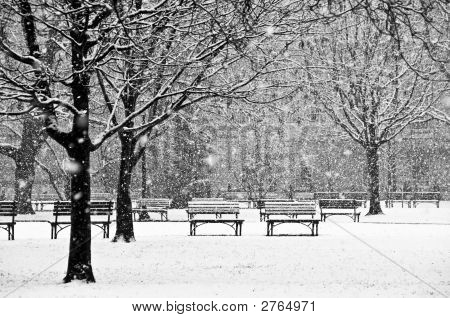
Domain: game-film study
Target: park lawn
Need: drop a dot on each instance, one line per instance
(404, 253)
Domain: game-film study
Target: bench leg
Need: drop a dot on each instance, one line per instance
(12, 232)
(317, 228)
(192, 228)
(268, 229)
(105, 231)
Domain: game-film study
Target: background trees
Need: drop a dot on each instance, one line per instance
(357, 76)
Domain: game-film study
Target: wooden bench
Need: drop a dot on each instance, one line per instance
(151, 205)
(326, 195)
(45, 199)
(402, 197)
(215, 210)
(303, 196)
(339, 204)
(62, 211)
(101, 196)
(426, 197)
(7, 217)
(260, 204)
(296, 212)
(360, 197)
(239, 196)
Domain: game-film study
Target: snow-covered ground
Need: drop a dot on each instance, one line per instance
(404, 253)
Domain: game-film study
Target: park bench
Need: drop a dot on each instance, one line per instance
(303, 196)
(212, 212)
(151, 205)
(360, 197)
(100, 211)
(239, 196)
(45, 199)
(100, 196)
(302, 212)
(7, 215)
(207, 199)
(426, 197)
(339, 204)
(326, 195)
(402, 197)
(260, 204)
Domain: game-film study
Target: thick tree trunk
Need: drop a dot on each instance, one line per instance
(78, 146)
(124, 229)
(79, 265)
(374, 179)
(25, 164)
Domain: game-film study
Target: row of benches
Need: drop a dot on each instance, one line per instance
(294, 212)
(410, 198)
(297, 212)
(100, 211)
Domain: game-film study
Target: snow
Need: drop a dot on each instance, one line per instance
(411, 259)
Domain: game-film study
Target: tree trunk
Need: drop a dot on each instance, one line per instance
(144, 192)
(25, 164)
(79, 265)
(374, 179)
(78, 146)
(124, 229)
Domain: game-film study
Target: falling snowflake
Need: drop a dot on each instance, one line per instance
(270, 30)
(78, 196)
(348, 152)
(211, 161)
(22, 183)
(143, 140)
(71, 166)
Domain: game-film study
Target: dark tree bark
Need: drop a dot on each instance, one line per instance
(79, 264)
(25, 164)
(78, 146)
(374, 179)
(124, 229)
(144, 191)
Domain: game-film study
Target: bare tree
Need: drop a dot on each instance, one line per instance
(80, 26)
(188, 55)
(357, 76)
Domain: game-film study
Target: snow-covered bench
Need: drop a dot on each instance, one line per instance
(261, 204)
(426, 197)
(45, 199)
(349, 207)
(402, 197)
(151, 205)
(239, 196)
(100, 211)
(302, 212)
(326, 195)
(360, 197)
(7, 215)
(212, 212)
